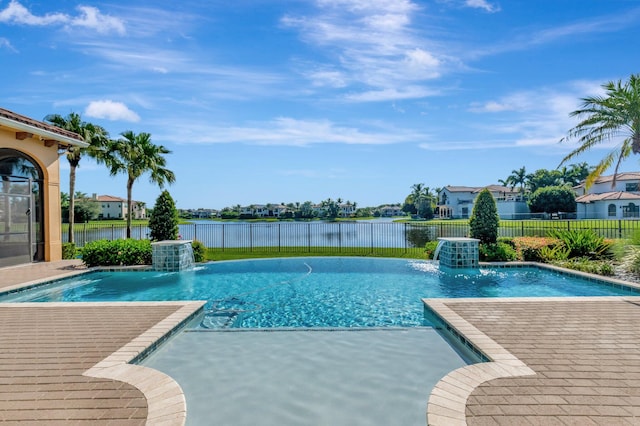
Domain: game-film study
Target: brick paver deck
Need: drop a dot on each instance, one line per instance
(67, 363)
(584, 354)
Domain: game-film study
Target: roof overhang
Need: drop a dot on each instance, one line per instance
(43, 134)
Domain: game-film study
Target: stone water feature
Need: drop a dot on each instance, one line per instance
(171, 256)
(458, 252)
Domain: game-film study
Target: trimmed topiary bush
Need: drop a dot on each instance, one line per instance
(117, 252)
(484, 220)
(163, 221)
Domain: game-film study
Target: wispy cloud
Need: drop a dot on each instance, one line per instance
(373, 48)
(574, 31)
(111, 110)
(87, 17)
(6, 44)
(539, 117)
(482, 4)
(285, 131)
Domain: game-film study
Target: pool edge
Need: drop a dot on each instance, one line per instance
(166, 403)
(448, 398)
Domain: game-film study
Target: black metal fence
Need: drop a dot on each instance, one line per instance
(337, 236)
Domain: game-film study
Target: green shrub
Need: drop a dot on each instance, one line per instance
(583, 243)
(199, 251)
(497, 252)
(163, 221)
(585, 264)
(430, 248)
(635, 238)
(530, 248)
(68, 251)
(549, 254)
(117, 252)
(484, 221)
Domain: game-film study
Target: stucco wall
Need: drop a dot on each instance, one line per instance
(47, 159)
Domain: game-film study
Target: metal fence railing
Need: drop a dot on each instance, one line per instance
(302, 236)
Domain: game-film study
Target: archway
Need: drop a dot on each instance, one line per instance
(21, 208)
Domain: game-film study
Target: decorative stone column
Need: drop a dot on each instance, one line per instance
(459, 252)
(171, 256)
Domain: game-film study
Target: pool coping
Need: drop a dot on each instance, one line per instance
(166, 403)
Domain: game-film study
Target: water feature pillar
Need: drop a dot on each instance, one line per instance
(458, 252)
(171, 256)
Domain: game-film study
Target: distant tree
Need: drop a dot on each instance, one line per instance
(86, 209)
(331, 208)
(553, 199)
(135, 155)
(306, 211)
(575, 173)
(614, 117)
(425, 207)
(163, 223)
(484, 220)
(518, 177)
(542, 178)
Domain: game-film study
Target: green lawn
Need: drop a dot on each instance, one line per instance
(270, 252)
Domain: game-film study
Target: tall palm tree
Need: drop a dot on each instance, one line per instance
(613, 117)
(135, 155)
(96, 136)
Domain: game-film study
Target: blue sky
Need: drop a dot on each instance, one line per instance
(269, 101)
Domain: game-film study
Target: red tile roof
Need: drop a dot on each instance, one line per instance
(10, 115)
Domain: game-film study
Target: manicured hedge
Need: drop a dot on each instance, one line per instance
(117, 252)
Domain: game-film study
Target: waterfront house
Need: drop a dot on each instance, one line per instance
(456, 202)
(30, 217)
(116, 208)
(604, 200)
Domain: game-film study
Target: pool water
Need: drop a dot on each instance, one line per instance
(316, 291)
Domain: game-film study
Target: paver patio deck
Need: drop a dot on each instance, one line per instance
(66, 363)
(584, 354)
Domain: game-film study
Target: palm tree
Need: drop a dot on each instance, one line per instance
(613, 117)
(136, 155)
(518, 177)
(96, 136)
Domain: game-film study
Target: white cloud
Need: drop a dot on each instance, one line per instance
(111, 110)
(89, 17)
(409, 92)
(18, 14)
(285, 131)
(482, 4)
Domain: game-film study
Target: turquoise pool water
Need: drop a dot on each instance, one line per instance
(316, 291)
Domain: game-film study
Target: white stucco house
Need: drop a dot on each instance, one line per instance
(456, 202)
(604, 200)
(116, 208)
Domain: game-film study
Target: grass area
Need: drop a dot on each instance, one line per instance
(271, 252)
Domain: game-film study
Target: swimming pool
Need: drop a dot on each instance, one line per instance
(341, 292)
